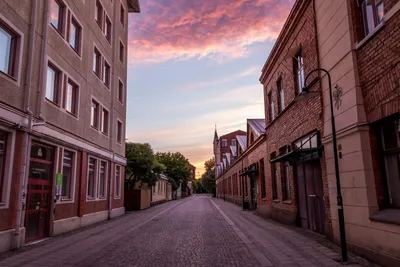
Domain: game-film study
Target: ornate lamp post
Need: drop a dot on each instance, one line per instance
(305, 94)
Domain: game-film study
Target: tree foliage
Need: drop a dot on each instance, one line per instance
(142, 164)
(208, 177)
(176, 167)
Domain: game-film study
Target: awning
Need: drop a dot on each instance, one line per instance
(252, 169)
(299, 154)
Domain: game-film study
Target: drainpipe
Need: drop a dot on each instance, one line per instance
(27, 98)
(112, 109)
(43, 61)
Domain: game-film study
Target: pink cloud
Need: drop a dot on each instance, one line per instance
(221, 30)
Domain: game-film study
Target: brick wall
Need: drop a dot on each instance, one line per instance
(379, 66)
(298, 118)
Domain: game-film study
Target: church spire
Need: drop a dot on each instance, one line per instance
(215, 133)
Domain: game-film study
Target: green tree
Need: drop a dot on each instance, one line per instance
(176, 167)
(142, 164)
(208, 177)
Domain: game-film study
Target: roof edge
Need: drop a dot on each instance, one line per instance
(133, 6)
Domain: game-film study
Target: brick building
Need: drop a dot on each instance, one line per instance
(296, 184)
(358, 43)
(63, 76)
(231, 182)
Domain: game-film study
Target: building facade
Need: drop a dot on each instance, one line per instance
(63, 80)
(358, 43)
(162, 190)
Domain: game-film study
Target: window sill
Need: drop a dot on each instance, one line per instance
(276, 200)
(72, 114)
(369, 36)
(264, 199)
(117, 197)
(58, 31)
(288, 201)
(8, 76)
(105, 134)
(65, 201)
(76, 51)
(120, 101)
(391, 216)
(52, 102)
(94, 128)
(3, 205)
(89, 199)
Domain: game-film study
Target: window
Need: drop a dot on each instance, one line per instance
(224, 143)
(67, 174)
(298, 69)
(262, 178)
(3, 142)
(8, 44)
(107, 29)
(120, 92)
(106, 74)
(390, 131)
(158, 187)
(57, 15)
(271, 107)
(71, 98)
(274, 175)
(96, 62)
(98, 15)
(117, 189)
(122, 15)
(75, 35)
(372, 14)
(94, 119)
(310, 141)
(119, 132)
(92, 177)
(121, 52)
(285, 174)
(53, 83)
(233, 142)
(104, 121)
(103, 179)
(281, 95)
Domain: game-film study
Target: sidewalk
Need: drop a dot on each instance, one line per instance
(283, 245)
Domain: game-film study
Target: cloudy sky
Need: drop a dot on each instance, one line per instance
(196, 63)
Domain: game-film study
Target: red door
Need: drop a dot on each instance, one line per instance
(37, 212)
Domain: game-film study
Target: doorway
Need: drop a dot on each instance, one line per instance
(38, 203)
(310, 196)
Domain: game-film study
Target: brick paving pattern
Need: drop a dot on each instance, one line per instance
(193, 232)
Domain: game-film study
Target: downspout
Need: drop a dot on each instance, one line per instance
(112, 112)
(43, 62)
(27, 98)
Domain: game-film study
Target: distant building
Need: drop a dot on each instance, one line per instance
(162, 190)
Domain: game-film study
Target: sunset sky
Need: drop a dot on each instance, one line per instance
(194, 64)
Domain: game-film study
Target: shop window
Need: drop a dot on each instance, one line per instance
(262, 178)
(91, 185)
(102, 179)
(67, 174)
(390, 130)
(117, 188)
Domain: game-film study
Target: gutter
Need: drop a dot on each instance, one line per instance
(112, 173)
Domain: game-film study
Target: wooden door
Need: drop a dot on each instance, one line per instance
(302, 196)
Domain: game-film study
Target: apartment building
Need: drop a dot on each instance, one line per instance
(63, 76)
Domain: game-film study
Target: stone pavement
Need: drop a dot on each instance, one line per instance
(196, 231)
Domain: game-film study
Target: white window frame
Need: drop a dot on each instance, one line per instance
(117, 189)
(8, 167)
(107, 133)
(71, 199)
(96, 180)
(224, 141)
(105, 180)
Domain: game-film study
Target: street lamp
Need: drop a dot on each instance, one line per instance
(305, 94)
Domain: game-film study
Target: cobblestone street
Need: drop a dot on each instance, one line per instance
(196, 231)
